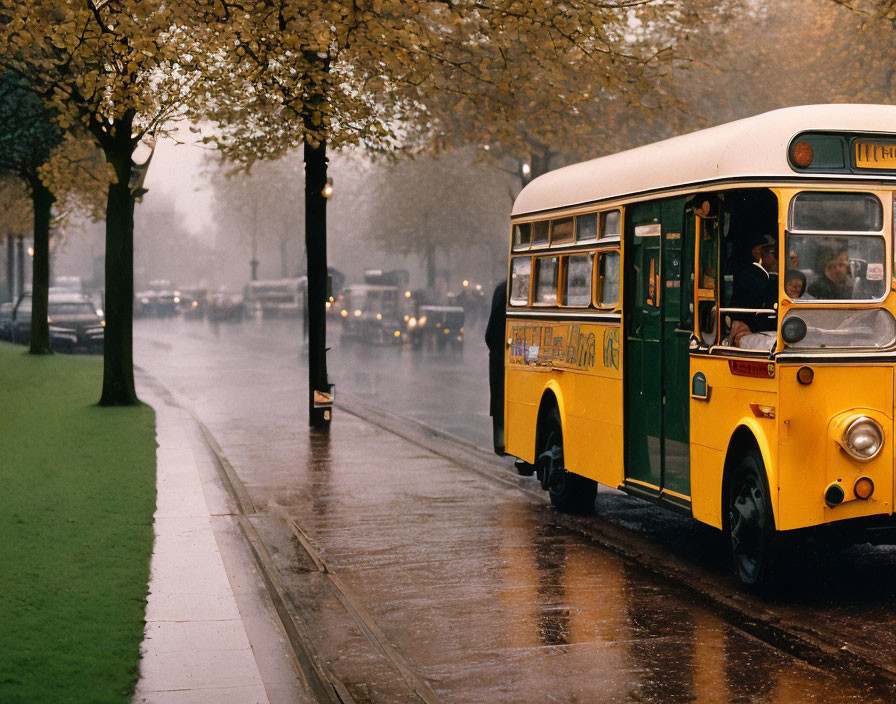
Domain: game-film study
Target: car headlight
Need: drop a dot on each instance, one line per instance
(863, 438)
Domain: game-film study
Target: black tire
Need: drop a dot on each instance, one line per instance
(751, 524)
(570, 493)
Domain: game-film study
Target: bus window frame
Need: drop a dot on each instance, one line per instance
(521, 247)
(598, 280)
(589, 240)
(540, 246)
(602, 224)
(882, 234)
(700, 293)
(571, 242)
(528, 301)
(533, 280)
(834, 233)
(564, 279)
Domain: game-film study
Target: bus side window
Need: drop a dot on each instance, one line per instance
(563, 231)
(540, 233)
(586, 227)
(522, 236)
(578, 280)
(547, 278)
(709, 244)
(707, 280)
(609, 223)
(608, 279)
(520, 277)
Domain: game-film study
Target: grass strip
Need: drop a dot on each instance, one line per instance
(77, 496)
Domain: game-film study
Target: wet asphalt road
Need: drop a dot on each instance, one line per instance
(475, 589)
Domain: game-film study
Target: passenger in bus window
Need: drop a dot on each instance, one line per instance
(832, 267)
(794, 283)
(756, 286)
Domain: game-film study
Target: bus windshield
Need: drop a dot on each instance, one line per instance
(841, 267)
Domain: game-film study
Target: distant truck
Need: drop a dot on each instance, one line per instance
(276, 298)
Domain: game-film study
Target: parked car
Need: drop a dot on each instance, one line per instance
(21, 320)
(75, 324)
(156, 301)
(191, 303)
(370, 314)
(224, 306)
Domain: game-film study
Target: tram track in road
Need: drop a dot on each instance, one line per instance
(749, 613)
(317, 676)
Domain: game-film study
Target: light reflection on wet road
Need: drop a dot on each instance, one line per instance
(483, 594)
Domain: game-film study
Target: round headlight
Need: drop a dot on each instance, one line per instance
(863, 438)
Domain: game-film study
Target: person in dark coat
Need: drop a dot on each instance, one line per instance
(756, 286)
(832, 267)
(495, 333)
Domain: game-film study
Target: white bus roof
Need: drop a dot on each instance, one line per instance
(754, 148)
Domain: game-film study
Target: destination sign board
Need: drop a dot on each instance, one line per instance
(877, 155)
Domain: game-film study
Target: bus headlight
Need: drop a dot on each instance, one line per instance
(863, 438)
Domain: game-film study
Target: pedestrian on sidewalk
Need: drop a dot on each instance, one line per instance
(495, 334)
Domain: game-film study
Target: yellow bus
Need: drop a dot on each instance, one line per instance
(708, 323)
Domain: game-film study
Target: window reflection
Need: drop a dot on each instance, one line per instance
(848, 268)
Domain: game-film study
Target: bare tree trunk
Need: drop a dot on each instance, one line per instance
(320, 402)
(118, 357)
(42, 199)
(316, 245)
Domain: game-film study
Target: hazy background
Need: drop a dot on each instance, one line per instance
(198, 227)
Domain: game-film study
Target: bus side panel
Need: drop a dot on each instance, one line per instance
(810, 458)
(706, 491)
(594, 415)
(522, 390)
(713, 422)
(582, 369)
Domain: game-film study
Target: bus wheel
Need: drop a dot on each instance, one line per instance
(570, 493)
(751, 524)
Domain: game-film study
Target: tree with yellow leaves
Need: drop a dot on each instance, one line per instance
(394, 75)
(119, 71)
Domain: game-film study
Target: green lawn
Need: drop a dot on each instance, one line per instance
(77, 495)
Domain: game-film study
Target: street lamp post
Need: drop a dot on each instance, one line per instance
(318, 189)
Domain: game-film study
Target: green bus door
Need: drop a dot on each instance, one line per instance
(657, 332)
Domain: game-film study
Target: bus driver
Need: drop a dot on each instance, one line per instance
(756, 287)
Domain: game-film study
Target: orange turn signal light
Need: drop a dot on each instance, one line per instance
(805, 375)
(863, 488)
(802, 155)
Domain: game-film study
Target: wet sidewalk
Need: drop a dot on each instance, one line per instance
(208, 636)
